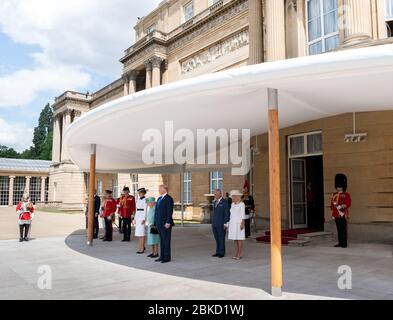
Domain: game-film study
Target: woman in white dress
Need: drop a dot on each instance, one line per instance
(236, 230)
(140, 220)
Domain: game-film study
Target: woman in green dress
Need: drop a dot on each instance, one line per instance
(152, 239)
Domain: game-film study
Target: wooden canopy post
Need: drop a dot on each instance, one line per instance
(92, 178)
(275, 193)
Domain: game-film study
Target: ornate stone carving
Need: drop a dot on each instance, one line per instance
(148, 65)
(156, 62)
(216, 51)
(148, 51)
(241, 7)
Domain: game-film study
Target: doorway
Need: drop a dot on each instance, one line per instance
(306, 181)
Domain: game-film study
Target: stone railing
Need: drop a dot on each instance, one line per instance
(73, 95)
(159, 35)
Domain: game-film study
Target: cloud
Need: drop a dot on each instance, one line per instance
(15, 135)
(77, 38)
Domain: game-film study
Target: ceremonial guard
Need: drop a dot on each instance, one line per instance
(250, 208)
(340, 204)
(126, 212)
(108, 213)
(140, 219)
(25, 210)
(119, 214)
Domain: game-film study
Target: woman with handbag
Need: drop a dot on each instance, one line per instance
(153, 239)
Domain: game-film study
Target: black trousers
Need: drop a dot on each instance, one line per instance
(219, 236)
(342, 232)
(108, 230)
(24, 230)
(96, 227)
(121, 224)
(247, 225)
(165, 243)
(126, 228)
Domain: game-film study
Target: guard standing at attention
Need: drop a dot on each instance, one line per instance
(340, 204)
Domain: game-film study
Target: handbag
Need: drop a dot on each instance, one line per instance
(153, 229)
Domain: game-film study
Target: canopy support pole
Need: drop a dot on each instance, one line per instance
(92, 178)
(182, 194)
(275, 193)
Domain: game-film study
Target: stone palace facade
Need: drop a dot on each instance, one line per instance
(182, 39)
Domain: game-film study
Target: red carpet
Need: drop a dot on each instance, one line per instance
(286, 235)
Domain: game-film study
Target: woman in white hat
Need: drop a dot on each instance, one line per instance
(236, 223)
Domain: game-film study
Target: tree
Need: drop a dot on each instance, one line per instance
(42, 140)
(9, 153)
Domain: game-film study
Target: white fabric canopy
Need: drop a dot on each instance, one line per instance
(309, 88)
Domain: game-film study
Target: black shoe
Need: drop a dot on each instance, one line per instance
(154, 256)
(215, 255)
(221, 256)
(150, 255)
(26, 239)
(344, 247)
(125, 240)
(165, 261)
(140, 252)
(158, 260)
(20, 239)
(337, 246)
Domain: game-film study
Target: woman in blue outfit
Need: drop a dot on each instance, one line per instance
(152, 239)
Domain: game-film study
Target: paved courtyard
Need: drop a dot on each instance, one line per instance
(114, 271)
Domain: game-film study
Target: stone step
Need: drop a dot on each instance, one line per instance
(299, 242)
(316, 236)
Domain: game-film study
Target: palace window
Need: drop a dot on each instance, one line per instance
(322, 25)
(389, 17)
(99, 187)
(4, 190)
(19, 189)
(115, 188)
(151, 29)
(188, 11)
(135, 184)
(305, 144)
(216, 180)
(46, 190)
(187, 190)
(35, 189)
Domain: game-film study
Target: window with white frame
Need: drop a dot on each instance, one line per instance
(99, 187)
(135, 184)
(151, 28)
(389, 16)
(35, 189)
(19, 189)
(188, 11)
(305, 144)
(4, 190)
(216, 180)
(322, 26)
(187, 188)
(115, 188)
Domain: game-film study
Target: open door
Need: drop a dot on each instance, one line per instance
(298, 193)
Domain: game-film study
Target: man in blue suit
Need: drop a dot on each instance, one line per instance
(220, 221)
(164, 223)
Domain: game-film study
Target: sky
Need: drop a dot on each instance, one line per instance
(48, 47)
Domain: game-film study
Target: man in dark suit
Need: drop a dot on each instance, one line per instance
(221, 214)
(97, 206)
(164, 223)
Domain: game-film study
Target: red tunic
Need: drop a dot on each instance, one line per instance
(26, 215)
(127, 206)
(340, 198)
(110, 207)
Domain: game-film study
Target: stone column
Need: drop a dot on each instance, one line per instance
(164, 72)
(255, 20)
(156, 77)
(132, 75)
(275, 30)
(357, 21)
(66, 123)
(56, 139)
(43, 180)
(126, 85)
(11, 191)
(27, 186)
(148, 66)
